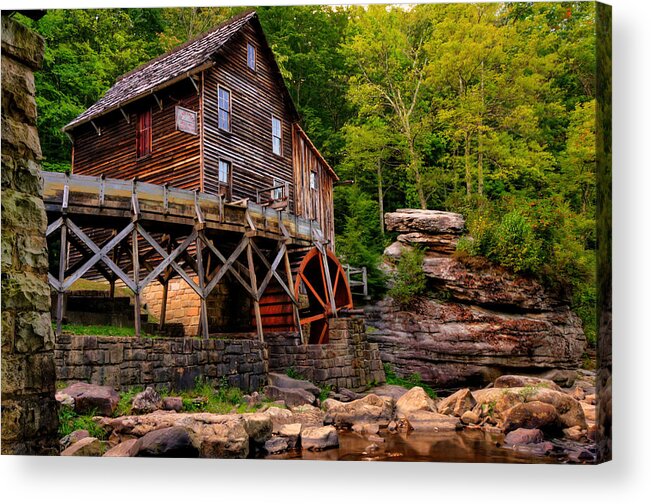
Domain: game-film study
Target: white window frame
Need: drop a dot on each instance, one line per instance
(314, 183)
(220, 109)
(280, 137)
(250, 49)
(277, 194)
(229, 167)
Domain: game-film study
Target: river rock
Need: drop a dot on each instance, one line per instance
(86, 447)
(215, 436)
(276, 444)
(432, 222)
(285, 382)
(279, 417)
(523, 436)
(292, 433)
(128, 448)
(65, 399)
(146, 401)
(414, 400)
(369, 409)
(430, 421)
(291, 396)
(319, 438)
(172, 442)
(173, 404)
(510, 381)
(531, 415)
(395, 392)
(101, 399)
(469, 418)
(458, 403)
(366, 429)
(575, 434)
(73, 437)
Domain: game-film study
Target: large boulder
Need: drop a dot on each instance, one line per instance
(531, 415)
(73, 437)
(430, 421)
(523, 436)
(319, 438)
(291, 396)
(440, 243)
(457, 404)
(292, 434)
(86, 447)
(89, 398)
(511, 381)
(498, 402)
(285, 382)
(128, 448)
(414, 400)
(395, 392)
(432, 222)
(369, 409)
(171, 442)
(146, 401)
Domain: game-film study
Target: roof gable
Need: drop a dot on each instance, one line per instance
(182, 61)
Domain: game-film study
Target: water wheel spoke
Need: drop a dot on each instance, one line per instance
(325, 285)
(314, 318)
(313, 290)
(324, 333)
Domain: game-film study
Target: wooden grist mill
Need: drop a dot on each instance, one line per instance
(192, 177)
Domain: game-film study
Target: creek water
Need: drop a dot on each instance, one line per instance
(460, 446)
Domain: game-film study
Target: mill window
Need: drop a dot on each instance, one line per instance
(276, 136)
(224, 106)
(250, 56)
(143, 134)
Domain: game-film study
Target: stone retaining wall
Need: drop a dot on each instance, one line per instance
(125, 362)
(348, 360)
(29, 410)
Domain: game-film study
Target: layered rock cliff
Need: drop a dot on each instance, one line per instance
(477, 321)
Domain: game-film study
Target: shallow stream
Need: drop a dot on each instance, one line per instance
(461, 446)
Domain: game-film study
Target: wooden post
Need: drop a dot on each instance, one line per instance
(136, 280)
(63, 256)
(203, 313)
(254, 287)
(163, 306)
(290, 282)
(365, 280)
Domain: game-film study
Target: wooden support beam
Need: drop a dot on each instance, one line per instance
(173, 264)
(168, 260)
(290, 281)
(254, 287)
(100, 255)
(227, 265)
(136, 276)
(125, 115)
(63, 256)
(274, 272)
(203, 313)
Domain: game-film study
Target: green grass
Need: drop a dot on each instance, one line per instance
(69, 421)
(411, 381)
(89, 285)
(100, 330)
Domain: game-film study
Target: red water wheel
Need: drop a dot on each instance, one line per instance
(320, 299)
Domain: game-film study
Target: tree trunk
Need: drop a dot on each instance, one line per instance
(380, 195)
(467, 160)
(480, 150)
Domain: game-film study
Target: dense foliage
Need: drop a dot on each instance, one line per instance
(482, 108)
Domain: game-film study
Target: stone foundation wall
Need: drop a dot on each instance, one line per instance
(348, 360)
(29, 410)
(228, 306)
(125, 362)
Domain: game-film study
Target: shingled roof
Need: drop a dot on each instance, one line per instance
(165, 69)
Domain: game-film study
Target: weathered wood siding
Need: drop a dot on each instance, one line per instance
(309, 203)
(175, 156)
(255, 97)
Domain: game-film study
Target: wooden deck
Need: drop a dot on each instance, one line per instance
(98, 197)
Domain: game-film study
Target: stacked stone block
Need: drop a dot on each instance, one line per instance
(29, 410)
(171, 363)
(348, 360)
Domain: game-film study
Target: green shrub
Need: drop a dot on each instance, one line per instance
(409, 280)
(69, 421)
(413, 380)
